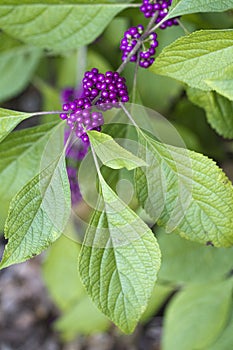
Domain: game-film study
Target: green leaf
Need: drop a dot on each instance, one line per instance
(38, 214)
(79, 315)
(183, 7)
(9, 120)
(20, 158)
(17, 65)
(200, 264)
(219, 110)
(186, 192)
(223, 87)
(119, 261)
(192, 58)
(159, 296)
(225, 340)
(197, 315)
(58, 25)
(82, 318)
(111, 154)
(61, 265)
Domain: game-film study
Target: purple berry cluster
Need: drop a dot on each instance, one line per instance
(105, 89)
(80, 117)
(147, 41)
(146, 53)
(102, 91)
(150, 7)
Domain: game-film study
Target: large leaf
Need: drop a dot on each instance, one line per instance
(111, 153)
(158, 298)
(183, 7)
(37, 214)
(219, 110)
(197, 315)
(192, 58)
(186, 192)
(82, 318)
(225, 340)
(79, 315)
(57, 25)
(199, 263)
(61, 265)
(9, 120)
(20, 158)
(119, 261)
(222, 86)
(17, 65)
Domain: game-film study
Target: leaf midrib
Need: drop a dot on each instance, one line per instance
(121, 5)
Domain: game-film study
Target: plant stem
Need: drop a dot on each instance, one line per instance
(148, 31)
(34, 114)
(128, 115)
(96, 161)
(135, 80)
(183, 27)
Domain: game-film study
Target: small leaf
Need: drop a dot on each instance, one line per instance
(37, 214)
(17, 65)
(9, 120)
(119, 261)
(201, 310)
(183, 7)
(58, 25)
(219, 110)
(192, 58)
(185, 192)
(111, 154)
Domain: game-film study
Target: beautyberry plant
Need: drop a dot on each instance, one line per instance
(81, 155)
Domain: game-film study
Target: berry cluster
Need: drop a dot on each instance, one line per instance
(150, 7)
(81, 117)
(146, 53)
(107, 89)
(82, 108)
(101, 90)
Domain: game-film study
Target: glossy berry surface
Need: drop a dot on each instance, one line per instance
(145, 55)
(105, 89)
(99, 92)
(150, 7)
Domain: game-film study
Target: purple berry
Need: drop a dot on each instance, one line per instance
(102, 90)
(160, 7)
(130, 41)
